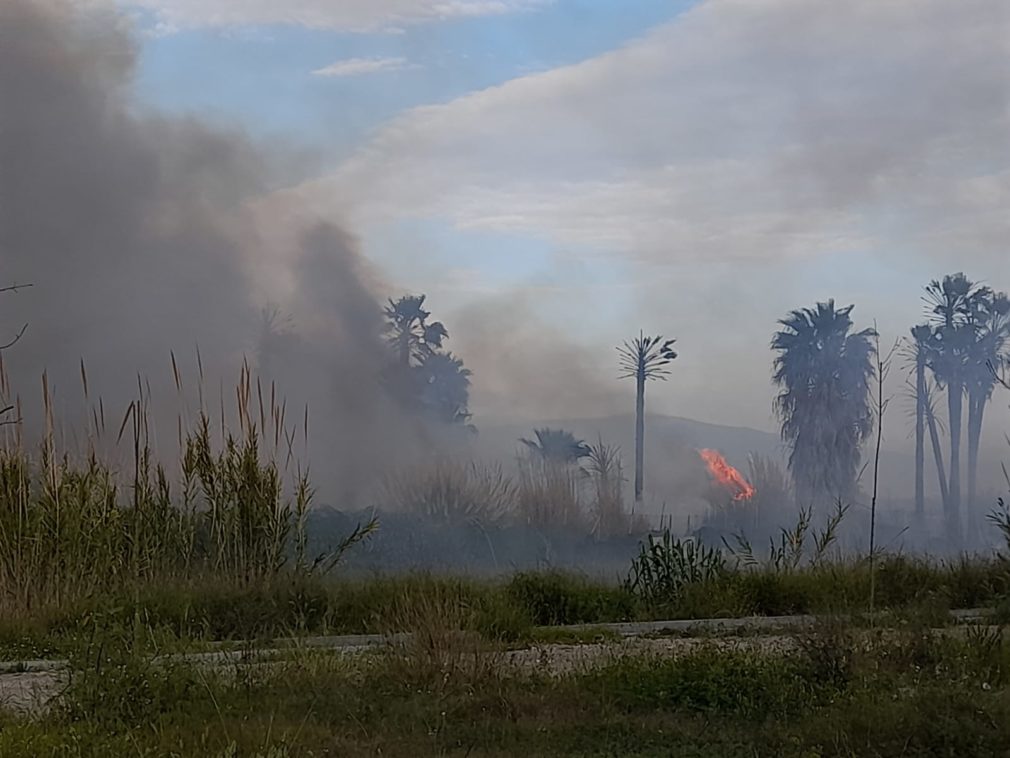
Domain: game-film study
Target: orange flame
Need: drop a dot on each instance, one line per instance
(726, 476)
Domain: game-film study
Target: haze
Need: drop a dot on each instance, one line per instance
(554, 176)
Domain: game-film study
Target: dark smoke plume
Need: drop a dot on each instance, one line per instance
(142, 237)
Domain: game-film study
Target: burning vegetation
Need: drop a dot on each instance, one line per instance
(725, 476)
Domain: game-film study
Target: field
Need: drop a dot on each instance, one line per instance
(482, 673)
(189, 613)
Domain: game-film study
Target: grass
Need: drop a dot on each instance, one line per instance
(197, 612)
(835, 693)
(112, 567)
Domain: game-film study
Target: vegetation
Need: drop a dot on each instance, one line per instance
(644, 359)
(449, 492)
(127, 575)
(73, 526)
(824, 373)
(422, 375)
(605, 472)
(556, 446)
(836, 689)
(967, 333)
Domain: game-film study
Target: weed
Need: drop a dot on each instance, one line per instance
(554, 598)
(666, 565)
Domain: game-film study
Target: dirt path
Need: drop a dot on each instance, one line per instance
(27, 688)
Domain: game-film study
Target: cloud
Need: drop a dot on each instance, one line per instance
(742, 130)
(337, 15)
(358, 66)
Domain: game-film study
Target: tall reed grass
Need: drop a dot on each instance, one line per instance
(75, 523)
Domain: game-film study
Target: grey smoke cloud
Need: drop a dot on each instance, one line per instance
(141, 237)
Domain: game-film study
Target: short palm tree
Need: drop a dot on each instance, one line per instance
(556, 446)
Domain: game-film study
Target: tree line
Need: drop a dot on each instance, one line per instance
(824, 369)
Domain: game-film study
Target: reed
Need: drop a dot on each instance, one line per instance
(75, 522)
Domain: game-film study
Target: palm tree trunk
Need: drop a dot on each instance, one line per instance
(976, 409)
(920, 436)
(405, 349)
(941, 471)
(639, 437)
(955, 399)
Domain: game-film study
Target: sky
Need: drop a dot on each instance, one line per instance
(557, 175)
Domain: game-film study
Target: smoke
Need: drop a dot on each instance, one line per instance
(530, 369)
(145, 235)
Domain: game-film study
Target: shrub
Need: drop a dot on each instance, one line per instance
(554, 598)
(666, 565)
(712, 680)
(454, 493)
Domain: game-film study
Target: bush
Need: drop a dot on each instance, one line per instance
(554, 598)
(665, 566)
(713, 680)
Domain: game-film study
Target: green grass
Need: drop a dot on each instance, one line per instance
(180, 615)
(909, 693)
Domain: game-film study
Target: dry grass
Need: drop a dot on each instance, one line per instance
(549, 496)
(442, 651)
(453, 492)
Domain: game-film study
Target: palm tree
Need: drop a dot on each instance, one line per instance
(933, 425)
(423, 377)
(988, 349)
(644, 358)
(446, 388)
(409, 332)
(952, 307)
(917, 351)
(556, 446)
(824, 373)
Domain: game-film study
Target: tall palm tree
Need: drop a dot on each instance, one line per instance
(823, 371)
(991, 338)
(556, 446)
(644, 358)
(917, 352)
(933, 425)
(951, 306)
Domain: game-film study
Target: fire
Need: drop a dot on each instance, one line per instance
(726, 476)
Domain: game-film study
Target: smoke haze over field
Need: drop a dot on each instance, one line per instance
(693, 168)
(136, 232)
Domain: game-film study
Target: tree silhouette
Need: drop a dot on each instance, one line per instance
(949, 304)
(644, 358)
(424, 377)
(445, 390)
(823, 371)
(556, 446)
(917, 351)
(970, 326)
(409, 332)
(989, 348)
